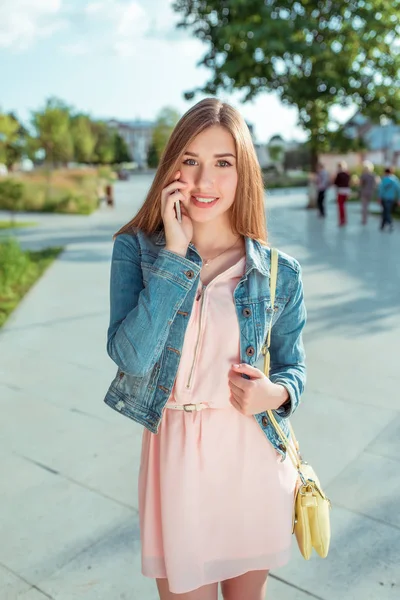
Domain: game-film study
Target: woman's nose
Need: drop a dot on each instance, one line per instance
(204, 178)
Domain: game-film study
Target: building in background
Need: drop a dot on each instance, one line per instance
(271, 156)
(382, 140)
(137, 136)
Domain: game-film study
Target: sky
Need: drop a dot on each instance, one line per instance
(122, 59)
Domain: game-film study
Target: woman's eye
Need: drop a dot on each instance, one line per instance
(191, 163)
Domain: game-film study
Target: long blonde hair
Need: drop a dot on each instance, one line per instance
(247, 214)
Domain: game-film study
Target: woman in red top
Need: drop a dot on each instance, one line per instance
(342, 182)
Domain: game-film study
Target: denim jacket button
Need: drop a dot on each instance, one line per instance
(264, 421)
(189, 274)
(246, 312)
(250, 351)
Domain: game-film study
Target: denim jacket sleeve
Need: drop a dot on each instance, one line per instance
(139, 318)
(287, 350)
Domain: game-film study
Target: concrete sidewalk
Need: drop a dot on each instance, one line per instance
(69, 465)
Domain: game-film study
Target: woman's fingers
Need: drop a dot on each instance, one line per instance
(235, 403)
(172, 193)
(170, 200)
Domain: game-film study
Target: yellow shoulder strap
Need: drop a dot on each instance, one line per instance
(293, 452)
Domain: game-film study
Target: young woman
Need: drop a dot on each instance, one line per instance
(342, 182)
(190, 310)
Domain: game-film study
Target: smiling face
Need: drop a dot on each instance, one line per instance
(209, 167)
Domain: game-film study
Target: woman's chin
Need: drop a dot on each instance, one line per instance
(199, 215)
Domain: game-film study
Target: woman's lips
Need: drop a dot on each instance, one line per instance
(203, 204)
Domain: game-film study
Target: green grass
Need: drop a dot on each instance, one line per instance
(19, 271)
(9, 225)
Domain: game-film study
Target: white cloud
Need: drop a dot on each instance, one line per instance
(126, 22)
(22, 22)
(76, 48)
(120, 27)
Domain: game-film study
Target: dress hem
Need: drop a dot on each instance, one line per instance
(283, 560)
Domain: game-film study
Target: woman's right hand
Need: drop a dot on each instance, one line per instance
(177, 235)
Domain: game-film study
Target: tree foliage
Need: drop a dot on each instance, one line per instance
(314, 54)
(152, 157)
(12, 140)
(103, 152)
(121, 150)
(53, 132)
(83, 138)
(64, 135)
(166, 120)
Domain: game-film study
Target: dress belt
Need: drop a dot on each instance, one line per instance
(187, 407)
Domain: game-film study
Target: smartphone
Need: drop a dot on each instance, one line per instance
(178, 211)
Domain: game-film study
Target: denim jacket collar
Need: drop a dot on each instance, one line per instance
(255, 253)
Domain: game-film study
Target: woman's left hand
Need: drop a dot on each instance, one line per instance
(255, 395)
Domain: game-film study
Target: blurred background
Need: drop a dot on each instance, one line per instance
(90, 92)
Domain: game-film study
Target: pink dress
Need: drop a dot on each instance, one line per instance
(215, 500)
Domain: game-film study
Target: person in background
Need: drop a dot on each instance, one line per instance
(367, 189)
(323, 182)
(342, 182)
(109, 195)
(389, 193)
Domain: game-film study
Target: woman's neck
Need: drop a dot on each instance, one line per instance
(211, 237)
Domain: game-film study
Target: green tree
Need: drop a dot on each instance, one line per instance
(104, 149)
(12, 140)
(338, 141)
(152, 157)
(315, 55)
(121, 150)
(166, 120)
(83, 138)
(52, 127)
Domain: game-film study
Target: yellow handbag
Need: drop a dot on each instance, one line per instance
(311, 514)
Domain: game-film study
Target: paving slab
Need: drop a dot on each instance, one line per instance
(328, 439)
(363, 561)
(377, 498)
(80, 445)
(11, 585)
(108, 569)
(32, 594)
(46, 520)
(387, 443)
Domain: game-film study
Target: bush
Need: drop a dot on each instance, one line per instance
(64, 190)
(284, 181)
(73, 204)
(107, 173)
(11, 194)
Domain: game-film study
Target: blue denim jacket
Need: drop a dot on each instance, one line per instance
(152, 292)
(389, 188)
